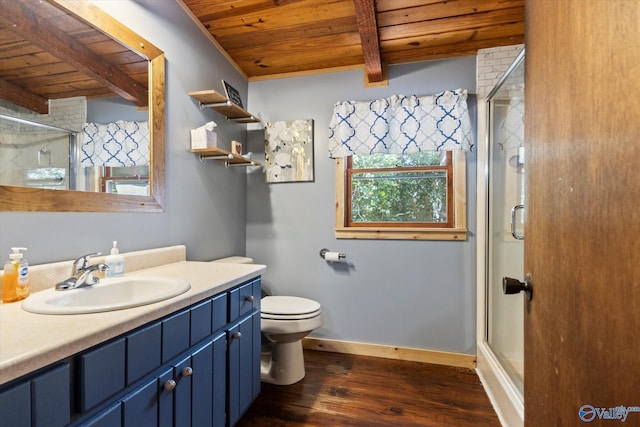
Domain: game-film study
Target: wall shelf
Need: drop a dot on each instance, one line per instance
(230, 159)
(222, 104)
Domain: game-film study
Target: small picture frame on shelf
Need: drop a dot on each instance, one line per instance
(232, 94)
(236, 148)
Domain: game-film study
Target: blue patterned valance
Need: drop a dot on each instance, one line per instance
(121, 143)
(401, 125)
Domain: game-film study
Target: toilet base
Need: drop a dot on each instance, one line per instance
(284, 364)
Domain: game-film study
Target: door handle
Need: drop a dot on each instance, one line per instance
(514, 286)
(514, 213)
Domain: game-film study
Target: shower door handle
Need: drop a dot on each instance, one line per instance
(514, 286)
(514, 213)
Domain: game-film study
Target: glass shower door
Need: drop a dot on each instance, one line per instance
(505, 313)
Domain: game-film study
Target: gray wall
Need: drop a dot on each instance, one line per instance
(418, 294)
(205, 203)
(412, 294)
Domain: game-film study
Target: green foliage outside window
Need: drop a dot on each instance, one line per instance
(387, 188)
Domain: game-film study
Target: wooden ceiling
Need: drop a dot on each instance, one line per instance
(48, 53)
(280, 38)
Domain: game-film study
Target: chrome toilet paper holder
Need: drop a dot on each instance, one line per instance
(324, 251)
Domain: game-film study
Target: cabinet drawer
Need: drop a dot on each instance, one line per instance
(243, 299)
(51, 394)
(200, 322)
(43, 400)
(175, 335)
(220, 310)
(101, 373)
(143, 352)
(15, 405)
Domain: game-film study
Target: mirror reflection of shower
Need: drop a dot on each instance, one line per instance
(66, 153)
(35, 154)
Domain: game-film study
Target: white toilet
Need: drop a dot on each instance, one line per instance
(284, 321)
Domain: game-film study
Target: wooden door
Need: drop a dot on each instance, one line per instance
(582, 233)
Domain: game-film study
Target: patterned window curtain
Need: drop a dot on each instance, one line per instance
(401, 125)
(512, 130)
(121, 143)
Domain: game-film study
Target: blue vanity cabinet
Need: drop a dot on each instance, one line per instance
(199, 366)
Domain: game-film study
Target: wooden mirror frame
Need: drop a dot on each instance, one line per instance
(26, 199)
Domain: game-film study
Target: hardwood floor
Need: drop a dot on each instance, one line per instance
(347, 390)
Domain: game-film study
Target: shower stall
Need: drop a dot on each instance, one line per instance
(37, 155)
(501, 216)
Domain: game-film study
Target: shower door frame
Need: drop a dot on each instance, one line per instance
(503, 393)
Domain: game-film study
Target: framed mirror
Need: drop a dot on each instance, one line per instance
(73, 50)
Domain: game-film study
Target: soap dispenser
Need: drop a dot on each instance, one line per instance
(15, 281)
(115, 262)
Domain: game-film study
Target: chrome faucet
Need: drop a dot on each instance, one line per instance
(82, 273)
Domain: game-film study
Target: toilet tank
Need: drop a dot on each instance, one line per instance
(235, 260)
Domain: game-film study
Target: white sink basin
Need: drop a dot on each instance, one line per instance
(110, 294)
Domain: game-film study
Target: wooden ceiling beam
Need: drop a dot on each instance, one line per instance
(21, 17)
(24, 98)
(368, 29)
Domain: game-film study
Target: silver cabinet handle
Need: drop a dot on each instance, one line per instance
(169, 385)
(249, 298)
(237, 335)
(514, 213)
(187, 372)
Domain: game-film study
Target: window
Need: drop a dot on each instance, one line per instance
(417, 196)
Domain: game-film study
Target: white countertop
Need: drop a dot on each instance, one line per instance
(31, 341)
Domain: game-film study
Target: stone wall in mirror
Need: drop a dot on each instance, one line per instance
(81, 111)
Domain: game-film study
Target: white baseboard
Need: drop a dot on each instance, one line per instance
(391, 352)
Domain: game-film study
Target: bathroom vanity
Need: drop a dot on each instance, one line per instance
(191, 360)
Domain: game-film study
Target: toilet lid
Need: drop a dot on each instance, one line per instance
(288, 306)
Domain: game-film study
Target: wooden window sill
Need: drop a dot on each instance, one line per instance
(401, 233)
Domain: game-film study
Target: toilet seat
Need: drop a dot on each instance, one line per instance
(288, 308)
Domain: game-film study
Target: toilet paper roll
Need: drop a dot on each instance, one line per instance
(333, 257)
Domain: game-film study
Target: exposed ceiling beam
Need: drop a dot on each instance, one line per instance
(368, 29)
(19, 17)
(24, 98)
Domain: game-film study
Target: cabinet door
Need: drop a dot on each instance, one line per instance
(165, 398)
(140, 409)
(202, 386)
(182, 393)
(256, 352)
(112, 417)
(220, 379)
(244, 366)
(208, 386)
